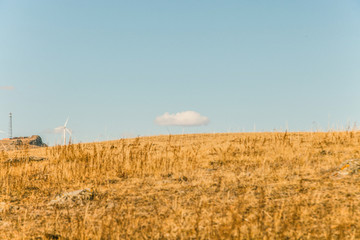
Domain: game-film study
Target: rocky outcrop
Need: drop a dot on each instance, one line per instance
(36, 141)
(18, 142)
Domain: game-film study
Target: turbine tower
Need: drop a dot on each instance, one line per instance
(10, 126)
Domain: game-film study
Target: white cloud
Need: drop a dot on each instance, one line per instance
(9, 88)
(187, 118)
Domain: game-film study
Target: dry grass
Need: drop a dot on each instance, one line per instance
(213, 186)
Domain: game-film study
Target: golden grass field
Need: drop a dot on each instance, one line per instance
(203, 186)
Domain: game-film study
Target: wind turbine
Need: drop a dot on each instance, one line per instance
(64, 129)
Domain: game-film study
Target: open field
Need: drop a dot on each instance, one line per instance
(206, 186)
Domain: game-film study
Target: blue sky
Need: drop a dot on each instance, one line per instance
(113, 67)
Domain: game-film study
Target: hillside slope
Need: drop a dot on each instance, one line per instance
(205, 186)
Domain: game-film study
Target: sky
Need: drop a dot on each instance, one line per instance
(138, 68)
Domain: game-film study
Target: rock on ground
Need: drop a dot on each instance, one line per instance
(347, 168)
(74, 197)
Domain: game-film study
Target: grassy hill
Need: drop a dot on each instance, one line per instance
(203, 186)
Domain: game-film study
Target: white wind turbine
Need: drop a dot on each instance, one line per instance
(64, 129)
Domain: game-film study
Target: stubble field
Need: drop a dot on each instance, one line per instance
(205, 186)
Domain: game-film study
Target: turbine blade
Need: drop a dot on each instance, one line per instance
(69, 131)
(59, 129)
(66, 122)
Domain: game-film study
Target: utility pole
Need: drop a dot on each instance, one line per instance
(10, 126)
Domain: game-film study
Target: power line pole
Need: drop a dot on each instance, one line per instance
(10, 126)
